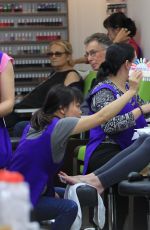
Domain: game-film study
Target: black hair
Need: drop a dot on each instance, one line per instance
(116, 55)
(59, 96)
(120, 20)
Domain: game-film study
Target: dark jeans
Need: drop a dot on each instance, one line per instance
(63, 211)
(19, 127)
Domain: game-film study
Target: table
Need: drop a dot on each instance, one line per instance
(25, 111)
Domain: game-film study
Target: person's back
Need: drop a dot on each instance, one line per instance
(43, 169)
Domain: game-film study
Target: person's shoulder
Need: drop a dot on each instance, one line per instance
(72, 76)
(66, 120)
(73, 72)
(64, 125)
(106, 84)
(5, 57)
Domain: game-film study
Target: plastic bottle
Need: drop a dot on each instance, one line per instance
(14, 200)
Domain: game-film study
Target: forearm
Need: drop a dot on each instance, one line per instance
(119, 123)
(136, 113)
(116, 106)
(6, 107)
(104, 114)
(7, 90)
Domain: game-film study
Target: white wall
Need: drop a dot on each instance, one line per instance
(85, 17)
(139, 10)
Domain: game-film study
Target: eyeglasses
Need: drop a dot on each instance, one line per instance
(57, 54)
(92, 53)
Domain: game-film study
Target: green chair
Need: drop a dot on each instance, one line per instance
(79, 159)
(144, 90)
(88, 82)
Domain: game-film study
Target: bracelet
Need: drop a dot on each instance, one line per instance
(141, 110)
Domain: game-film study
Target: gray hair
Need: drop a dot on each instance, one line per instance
(101, 38)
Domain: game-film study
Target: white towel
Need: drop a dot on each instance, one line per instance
(99, 211)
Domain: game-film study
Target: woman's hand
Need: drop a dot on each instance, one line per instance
(122, 36)
(146, 108)
(134, 80)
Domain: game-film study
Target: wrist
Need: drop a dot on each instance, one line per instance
(141, 110)
(115, 41)
(132, 91)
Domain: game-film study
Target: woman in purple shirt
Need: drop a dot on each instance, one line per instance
(116, 134)
(6, 105)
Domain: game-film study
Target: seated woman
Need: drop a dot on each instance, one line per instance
(60, 55)
(122, 29)
(41, 150)
(62, 72)
(116, 134)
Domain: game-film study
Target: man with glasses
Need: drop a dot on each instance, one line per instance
(95, 50)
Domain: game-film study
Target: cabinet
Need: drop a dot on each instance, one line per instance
(26, 28)
(114, 6)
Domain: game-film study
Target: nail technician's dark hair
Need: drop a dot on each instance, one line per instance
(59, 96)
(120, 20)
(116, 55)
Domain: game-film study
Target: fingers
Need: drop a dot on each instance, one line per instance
(62, 173)
(134, 79)
(137, 74)
(62, 179)
(126, 30)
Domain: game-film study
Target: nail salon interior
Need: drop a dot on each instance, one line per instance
(84, 65)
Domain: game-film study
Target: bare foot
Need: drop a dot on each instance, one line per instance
(69, 179)
(93, 180)
(90, 179)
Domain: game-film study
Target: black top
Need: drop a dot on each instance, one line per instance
(36, 98)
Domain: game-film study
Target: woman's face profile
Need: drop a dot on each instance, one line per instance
(112, 33)
(58, 56)
(73, 110)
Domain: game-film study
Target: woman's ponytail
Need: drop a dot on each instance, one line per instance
(105, 69)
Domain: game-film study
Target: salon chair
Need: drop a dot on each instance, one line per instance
(136, 186)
